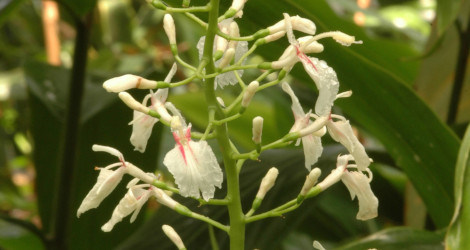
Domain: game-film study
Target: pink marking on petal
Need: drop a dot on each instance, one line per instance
(180, 146)
(304, 57)
(188, 134)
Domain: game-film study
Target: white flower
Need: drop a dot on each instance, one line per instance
(324, 76)
(311, 143)
(341, 131)
(132, 202)
(107, 181)
(192, 164)
(241, 47)
(359, 185)
(297, 23)
(142, 123)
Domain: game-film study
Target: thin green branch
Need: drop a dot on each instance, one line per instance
(164, 186)
(188, 10)
(213, 239)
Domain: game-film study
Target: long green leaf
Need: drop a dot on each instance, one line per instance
(457, 235)
(446, 13)
(398, 238)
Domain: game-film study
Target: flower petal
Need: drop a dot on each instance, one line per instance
(358, 185)
(341, 131)
(312, 150)
(195, 169)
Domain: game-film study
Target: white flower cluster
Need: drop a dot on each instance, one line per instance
(340, 130)
(193, 163)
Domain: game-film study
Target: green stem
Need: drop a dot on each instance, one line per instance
(285, 208)
(214, 244)
(237, 218)
(186, 10)
(462, 60)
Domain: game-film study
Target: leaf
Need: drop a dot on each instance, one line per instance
(104, 121)
(7, 8)
(331, 214)
(382, 103)
(398, 238)
(446, 13)
(458, 230)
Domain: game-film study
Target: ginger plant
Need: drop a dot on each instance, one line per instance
(193, 163)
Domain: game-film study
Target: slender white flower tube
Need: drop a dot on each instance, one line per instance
(318, 246)
(125, 82)
(169, 27)
(192, 164)
(173, 236)
(267, 182)
(132, 202)
(341, 131)
(132, 103)
(337, 173)
(257, 129)
(164, 199)
(344, 39)
(249, 93)
(311, 144)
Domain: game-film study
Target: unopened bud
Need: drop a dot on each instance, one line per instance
(249, 93)
(337, 173)
(169, 26)
(311, 180)
(298, 23)
(132, 103)
(267, 182)
(238, 5)
(220, 101)
(173, 236)
(164, 199)
(228, 56)
(344, 39)
(125, 82)
(257, 129)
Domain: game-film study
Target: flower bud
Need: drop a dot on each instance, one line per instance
(125, 82)
(228, 56)
(238, 5)
(249, 93)
(173, 236)
(257, 129)
(234, 31)
(344, 39)
(169, 26)
(267, 182)
(132, 103)
(298, 23)
(337, 173)
(220, 101)
(311, 179)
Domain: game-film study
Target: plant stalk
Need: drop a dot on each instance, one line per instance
(237, 218)
(67, 164)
